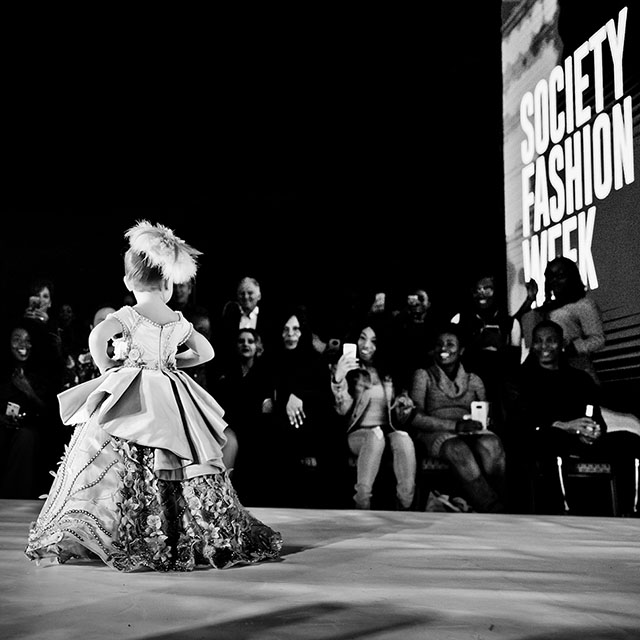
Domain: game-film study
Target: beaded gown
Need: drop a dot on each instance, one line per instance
(142, 484)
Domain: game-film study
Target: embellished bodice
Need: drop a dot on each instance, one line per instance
(146, 344)
(149, 401)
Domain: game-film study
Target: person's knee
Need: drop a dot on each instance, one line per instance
(401, 441)
(455, 451)
(491, 446)
(375, 439)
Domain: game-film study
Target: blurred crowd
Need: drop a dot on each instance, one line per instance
(354, 416)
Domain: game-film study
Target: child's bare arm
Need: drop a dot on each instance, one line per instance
(199, 351)
(99, 340)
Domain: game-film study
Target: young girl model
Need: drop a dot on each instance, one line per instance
(142, 483)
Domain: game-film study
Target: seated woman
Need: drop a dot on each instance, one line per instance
(547, 410)
(243, 388)
(300, 420)
(366, 396)
(442, 429)
(31, 434)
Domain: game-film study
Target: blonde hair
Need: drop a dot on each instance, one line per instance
(140, 274)
(156, 255)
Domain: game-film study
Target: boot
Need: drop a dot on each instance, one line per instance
(362, 497)
(404, 499)
(482, 497)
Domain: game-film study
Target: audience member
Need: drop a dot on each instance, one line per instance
(74, 339)
(413, 330)
(204, 374)
(442, 428)
(371, 305)
(244, 390)
(338, 314)
(286, 440)
(40, 320)
(568, 303)
(183, 300)
(40, 300)
(87, 368)
(365, 394)
(379, 305)
(30, 430)
(245, 311)
(101, 315)
(548, 417)
(74, 333)
(489, 352)
(300, 417)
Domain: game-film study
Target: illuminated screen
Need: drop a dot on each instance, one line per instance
(571, 161)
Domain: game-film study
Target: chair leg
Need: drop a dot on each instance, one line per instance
(614, 496)
(635, 499)
(561, 480)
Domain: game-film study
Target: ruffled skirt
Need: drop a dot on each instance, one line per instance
(107, 503)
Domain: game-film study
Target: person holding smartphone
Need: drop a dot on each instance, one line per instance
(412, 332)
(42, 324)
(40, 300)
(375, 410)
(442, 426)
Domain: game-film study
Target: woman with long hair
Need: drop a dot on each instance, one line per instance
(364, 392)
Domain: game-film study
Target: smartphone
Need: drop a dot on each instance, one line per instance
(350, 349)
(480, 412)
(13, 409)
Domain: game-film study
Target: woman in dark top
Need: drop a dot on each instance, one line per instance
(31, 433)
(243, 389)
(301, 422)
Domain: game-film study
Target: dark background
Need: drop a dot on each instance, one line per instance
(322, 152)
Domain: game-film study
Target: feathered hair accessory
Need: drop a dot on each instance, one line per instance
(162, 249)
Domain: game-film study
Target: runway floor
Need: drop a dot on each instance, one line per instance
(349, 575)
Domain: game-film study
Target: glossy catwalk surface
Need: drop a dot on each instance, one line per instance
(349, 575)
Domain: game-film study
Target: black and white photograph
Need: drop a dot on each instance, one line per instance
(321, 322)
